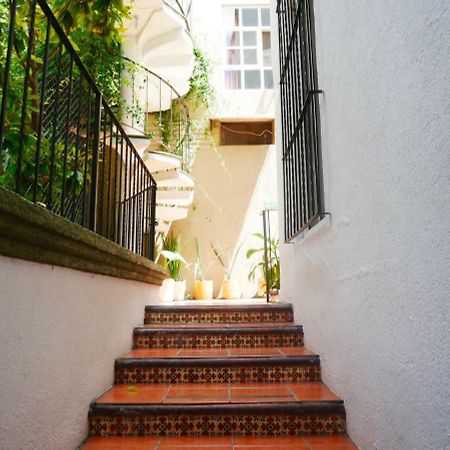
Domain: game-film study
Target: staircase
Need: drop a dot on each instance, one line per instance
(221, 376)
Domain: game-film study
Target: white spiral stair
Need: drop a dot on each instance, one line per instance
(156, 37)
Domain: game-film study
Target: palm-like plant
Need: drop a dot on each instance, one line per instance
(273, 262)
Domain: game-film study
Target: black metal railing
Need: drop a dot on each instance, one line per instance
(154, 108)
(61, 146)
(302, 159)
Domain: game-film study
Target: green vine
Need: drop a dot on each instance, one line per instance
(200, 91)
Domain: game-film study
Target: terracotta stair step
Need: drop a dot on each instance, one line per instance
(335, 442)
(262, 352)
(169, 394)
(219, 336)
(282, 312)
(216, 326)
(220, 369)
(216, 419)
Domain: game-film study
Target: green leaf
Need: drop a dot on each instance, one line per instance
(173, 256)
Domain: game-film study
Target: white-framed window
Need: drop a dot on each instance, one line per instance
(248, 56)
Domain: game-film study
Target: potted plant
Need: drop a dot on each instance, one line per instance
(173, 288)
(203, 289)
(231, 287)
(259, 266)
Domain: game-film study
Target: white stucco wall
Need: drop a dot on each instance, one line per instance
(60, 331)
(372, 287)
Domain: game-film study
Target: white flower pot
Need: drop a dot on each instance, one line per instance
(166, 291)
(179, 290)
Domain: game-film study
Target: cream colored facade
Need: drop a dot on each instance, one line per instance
(232, 182)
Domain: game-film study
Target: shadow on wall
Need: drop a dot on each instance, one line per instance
(232, 183)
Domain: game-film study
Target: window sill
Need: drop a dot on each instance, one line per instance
(30, 232)
(319, 227)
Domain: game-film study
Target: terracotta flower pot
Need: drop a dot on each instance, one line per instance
(203, 289)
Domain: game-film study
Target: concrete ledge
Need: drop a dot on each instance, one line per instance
(29, 231)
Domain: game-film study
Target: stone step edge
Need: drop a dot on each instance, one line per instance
(220, 330)
(284, 307)
(228, 362)
(257, 409)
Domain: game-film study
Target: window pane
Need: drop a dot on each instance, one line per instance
(232, 79)
(232, 38)
(265, 17)
(233, 57)
(250, 57)
(231, 17)
(268, 79)
(252, 79)
(250, 17)
(249, 38)
(267, 54)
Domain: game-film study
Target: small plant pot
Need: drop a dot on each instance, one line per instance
(274, 295)
(261, 288)
(166, 291)
(231, 289)
(179, 290)
(203, 289)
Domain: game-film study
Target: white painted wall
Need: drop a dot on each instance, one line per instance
(60, 331)
(372, 287)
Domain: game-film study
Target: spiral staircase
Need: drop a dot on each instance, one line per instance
(158, 43)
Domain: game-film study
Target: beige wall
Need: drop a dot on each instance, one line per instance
(232, 184)
(60, 331)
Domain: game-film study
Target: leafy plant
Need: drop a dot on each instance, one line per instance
(273, 262)
(94, 28)
(173, 259)
(218, 252)
(200, 89)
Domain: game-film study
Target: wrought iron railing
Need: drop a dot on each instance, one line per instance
(154, 108)
(61, 146)
(302, 158)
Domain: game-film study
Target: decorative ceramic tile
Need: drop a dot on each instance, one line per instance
(218, 316)
(217, 425)
(224, 374)
(217, 340)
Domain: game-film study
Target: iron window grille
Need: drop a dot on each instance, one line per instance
(300, 118)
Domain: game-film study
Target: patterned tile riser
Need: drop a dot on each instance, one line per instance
(217, 375)
(217, 341)
(218, 317)
(218, 425)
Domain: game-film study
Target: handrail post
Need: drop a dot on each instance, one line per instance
(266, 262)
(94, 167)
(152, 233)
